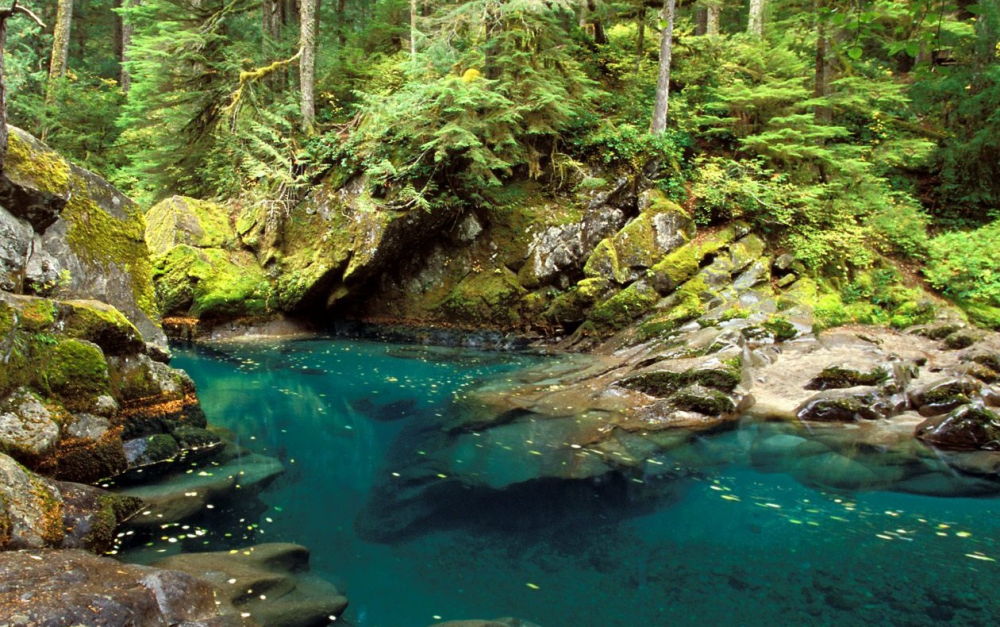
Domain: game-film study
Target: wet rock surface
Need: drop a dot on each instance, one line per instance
(73, 587)
(269, 582)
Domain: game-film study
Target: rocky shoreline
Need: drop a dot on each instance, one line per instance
(664, 335)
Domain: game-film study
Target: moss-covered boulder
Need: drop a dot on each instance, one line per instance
(181, 220)
(488, 298)
(211, 283)
(88, 237)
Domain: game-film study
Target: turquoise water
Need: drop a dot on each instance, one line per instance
(718, 542)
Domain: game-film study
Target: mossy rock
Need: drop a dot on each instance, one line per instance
(621, 309)
(75, 372)
(180, 220)
(781, 329)
(101, 324)
(703, 400)
(571, 306)
(111, 510)
(211, 283)
(683, 264)
(833, 377)
(114, 244)
(489, 298)
(981, 314)
(963, 338)
(85, 460)
(603, 263)
(838, 406)
(720, 375)
(966, 428)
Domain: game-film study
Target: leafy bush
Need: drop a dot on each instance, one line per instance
(964, 265)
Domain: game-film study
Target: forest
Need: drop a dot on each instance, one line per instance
(846, 132)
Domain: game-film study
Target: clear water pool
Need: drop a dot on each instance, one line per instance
(726, 544)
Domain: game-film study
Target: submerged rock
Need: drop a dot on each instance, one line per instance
(72, 587)
(269, 582)
(497, 622)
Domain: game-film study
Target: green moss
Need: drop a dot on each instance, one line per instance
(8, 320)
(52, 531)
(485, 298)
(636, 243)
(981, 314)
(682, 264)
(33, 164)
(116, 245)
(38, 315)
(829, 311)
(75, 372)
(603, 262)
(839, 377)
(703, 401)
(912, 313)
(572, 305)
(621, 309)
(781, 329)
(212, 282)
(103, 325)
(180, 220)
(723, 377)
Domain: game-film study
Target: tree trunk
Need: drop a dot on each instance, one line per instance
(600, 36)
(307, 64)
(60, 39)
(640, 44)
(700, 21)
(824, 65)
(712, 12)
(663, 80)
(270, 25)
(413, 29)
(125, 79)
(342, 22)
(755, 23)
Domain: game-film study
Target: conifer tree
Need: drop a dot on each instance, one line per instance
(660, 109)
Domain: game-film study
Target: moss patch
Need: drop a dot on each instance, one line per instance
(839, 377)
(115, 245)
(181, 220)
(621, 309)
(75, 372)
(103, 325)
(485, 298)
(208, 283)
(44, 169)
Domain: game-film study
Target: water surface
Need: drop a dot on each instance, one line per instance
(726, 544)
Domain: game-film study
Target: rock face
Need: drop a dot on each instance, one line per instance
(269, 582)
(36, 512)
(68, 233)
(78, 383)
(76, 588)
(200, 268)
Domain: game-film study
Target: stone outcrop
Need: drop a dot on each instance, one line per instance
(67, 233)
(74, 587)
(269, 583)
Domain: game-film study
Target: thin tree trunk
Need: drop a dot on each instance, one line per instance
(660, 110)
(700, 21)
(342, 22)
(307, 64)
(60, 39)
(640, 44)
(125, 78)
(712, 12)
(755, 23)
(824, 65)
(600, 36)
(413, 29)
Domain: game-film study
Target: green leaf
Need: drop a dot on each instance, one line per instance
(855, 52)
